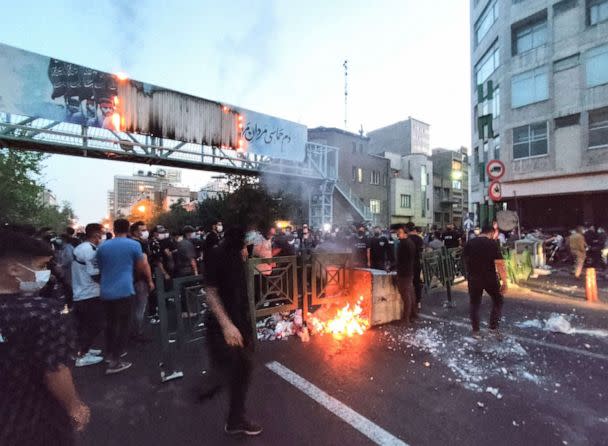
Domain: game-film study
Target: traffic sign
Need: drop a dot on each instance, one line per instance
(495, 169)
(495, 191)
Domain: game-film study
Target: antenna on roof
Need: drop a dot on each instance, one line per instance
(345, 65)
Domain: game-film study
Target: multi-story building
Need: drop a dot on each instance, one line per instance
(411, 195)
(213, 189)
(450, 186)
(361, 192)
(405, 138)
(128, 189)
(48, 198)
(540, 104)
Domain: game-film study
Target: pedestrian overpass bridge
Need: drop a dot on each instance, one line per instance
(63, 108)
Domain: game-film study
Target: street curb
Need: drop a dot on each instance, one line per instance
(561, 295)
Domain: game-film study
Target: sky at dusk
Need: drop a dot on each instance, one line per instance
(406, 58)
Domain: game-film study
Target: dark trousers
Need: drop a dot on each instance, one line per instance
(417, 285)
(406, 290)
(89, 314)
(476, 289)
(232, 369)
(118, 318)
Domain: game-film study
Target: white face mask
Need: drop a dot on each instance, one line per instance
(220, 228)
(42, 277)
(145, 235)
(192, 236)
(163, 236)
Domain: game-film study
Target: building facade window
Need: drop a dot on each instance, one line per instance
(424, 177)
(496, 102)
(597, 66)
(497, 147)
(487, 18)
(359, 175)
(566, 63)
(597, 11)
(375, 206)
(529, 36)
(598, 128)
(563, 6)
(567, 121)
(456, 165)
(354, 174)
(354, 147)
(530, 87)
(530, 140)
(375, 177)
(487, 64)
(406, 201)
(457, 184)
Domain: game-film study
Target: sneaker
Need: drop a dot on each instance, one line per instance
(87, 360)
(155, 320)
(496, 334)
(244, 427)
(118, 367)
(94, 352)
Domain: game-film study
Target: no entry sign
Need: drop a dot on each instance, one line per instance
(495, 191)
(495, 169)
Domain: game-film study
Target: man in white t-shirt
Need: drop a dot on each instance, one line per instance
(88, 308)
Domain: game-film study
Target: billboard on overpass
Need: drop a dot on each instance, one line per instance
(38, 86)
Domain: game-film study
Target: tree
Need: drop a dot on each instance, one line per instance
(21, 192)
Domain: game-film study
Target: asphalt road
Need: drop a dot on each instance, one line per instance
(427, 385)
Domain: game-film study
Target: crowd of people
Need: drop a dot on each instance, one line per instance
(65, 291)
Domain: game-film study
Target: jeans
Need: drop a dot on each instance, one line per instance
(579, 263)
(405, 285)
(476, 289)
(118, 317)
(139, 307)
(89, 314)
(232, 366)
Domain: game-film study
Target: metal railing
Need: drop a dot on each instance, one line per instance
(357, 203)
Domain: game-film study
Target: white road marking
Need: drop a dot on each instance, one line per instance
(371, 430)
(562, 348)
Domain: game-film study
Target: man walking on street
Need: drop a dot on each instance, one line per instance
(578, 248)
(406, 252)
(39, 403)
(185, 260)
(229, 329)
(483, 261)
(88, 308)
(119, 259)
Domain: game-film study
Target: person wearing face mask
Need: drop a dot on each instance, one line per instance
(38, 399)
(380, 251)
(88, 308)
(213, 238)
(307, 242)
(157, 235)
(139, 233)
(229, 334)
(185, 259)
(361, 249)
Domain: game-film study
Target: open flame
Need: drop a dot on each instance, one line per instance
(346, 323)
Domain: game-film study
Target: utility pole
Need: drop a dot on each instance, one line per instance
(345, 65)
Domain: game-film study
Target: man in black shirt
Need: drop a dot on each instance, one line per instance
(213, 237)
(451, 237)
(185, 259)
(415, 237)
(406, 253)
(229, 330)
(483, 259)
(380, 251)
(361, 249)
(38, 401)
(139, 233)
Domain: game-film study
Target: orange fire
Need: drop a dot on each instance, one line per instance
(116, 121)
(346, 323)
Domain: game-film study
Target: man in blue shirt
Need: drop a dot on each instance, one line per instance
(119, 260)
